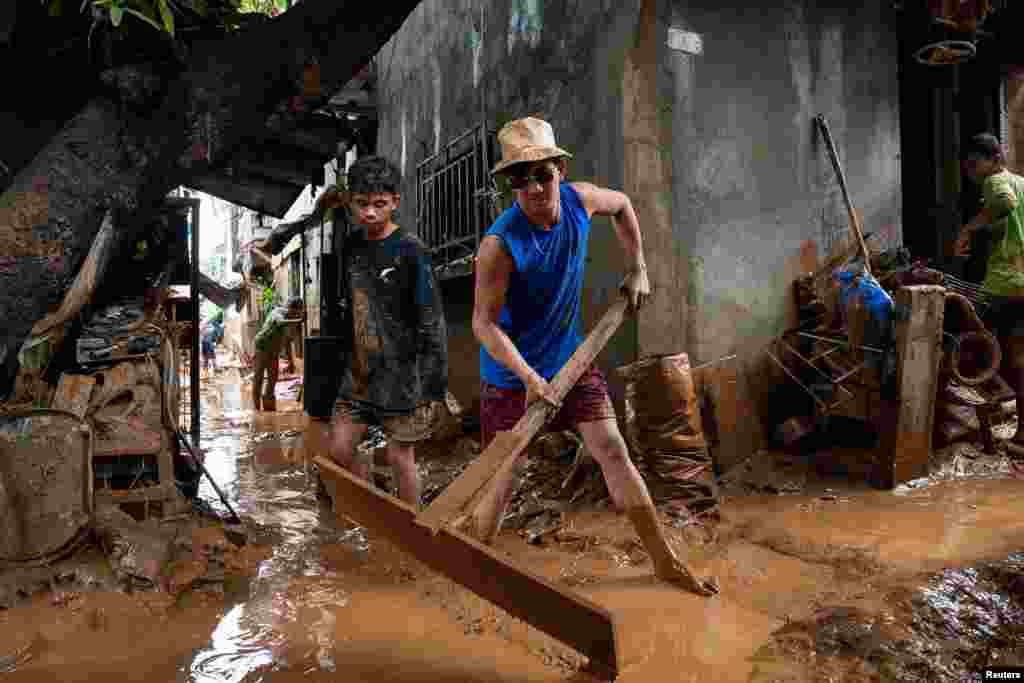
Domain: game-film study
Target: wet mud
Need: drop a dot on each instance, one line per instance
(825, 581)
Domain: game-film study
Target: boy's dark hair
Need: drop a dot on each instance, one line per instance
(984, 145)
(373, 174)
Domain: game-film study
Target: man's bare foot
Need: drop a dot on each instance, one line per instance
(679, 574)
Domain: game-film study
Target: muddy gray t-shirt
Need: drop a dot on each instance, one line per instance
(399, 353)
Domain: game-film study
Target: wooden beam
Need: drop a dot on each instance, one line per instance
(563, 615)
(318, 135)
(260, 195)
(909, 417)
(284, 163)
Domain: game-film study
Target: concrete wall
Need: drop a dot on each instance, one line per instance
(755, 201)
(715, 145)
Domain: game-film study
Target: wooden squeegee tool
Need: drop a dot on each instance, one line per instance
(560, 613)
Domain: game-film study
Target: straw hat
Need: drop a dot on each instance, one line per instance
(527, 139)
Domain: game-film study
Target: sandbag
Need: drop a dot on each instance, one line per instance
(45, 484)
(661, 404)
(665, 432)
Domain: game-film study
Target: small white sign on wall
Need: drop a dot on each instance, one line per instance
(685, 41)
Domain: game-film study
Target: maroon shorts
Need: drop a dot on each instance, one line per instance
(588, 401)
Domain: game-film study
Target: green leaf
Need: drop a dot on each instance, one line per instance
(146, 19)
(281, 4)
(56, 8)
(200, 7)
(168, 18)
(115, 15)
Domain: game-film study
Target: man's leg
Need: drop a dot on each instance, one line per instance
(269, 395)
(629, 493)
(404, 432)
(1013, 372)
(347, 433)
(260, 363)
(402, 458)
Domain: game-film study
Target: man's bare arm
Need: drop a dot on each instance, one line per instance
(602, 201)
(494, 268)
(616, 205)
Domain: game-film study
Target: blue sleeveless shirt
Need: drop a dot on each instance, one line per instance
(542, 307)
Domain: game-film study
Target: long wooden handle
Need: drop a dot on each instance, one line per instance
(507, 446)
(854, 220)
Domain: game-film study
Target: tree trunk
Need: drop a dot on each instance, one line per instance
(126, 158)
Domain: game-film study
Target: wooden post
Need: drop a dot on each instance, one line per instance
(908, 417)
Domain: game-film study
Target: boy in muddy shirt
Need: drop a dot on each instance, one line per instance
(397, 369)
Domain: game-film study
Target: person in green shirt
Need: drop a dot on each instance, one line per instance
(272, 336)
(1002, 214)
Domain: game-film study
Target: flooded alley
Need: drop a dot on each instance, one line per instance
(925, 583)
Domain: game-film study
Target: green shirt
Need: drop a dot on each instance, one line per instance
(1005, 274)
(273, 331)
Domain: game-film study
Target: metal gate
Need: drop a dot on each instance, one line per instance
(455, 199)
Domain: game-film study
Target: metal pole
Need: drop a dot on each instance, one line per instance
(302, 270)
(194, 291)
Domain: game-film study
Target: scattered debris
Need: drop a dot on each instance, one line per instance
(137, 551)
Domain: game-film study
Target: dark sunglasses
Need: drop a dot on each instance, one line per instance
(522, 181)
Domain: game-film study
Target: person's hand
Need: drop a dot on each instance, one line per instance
(290, 367)
(636, 287)
(963, 243)
(538, 389)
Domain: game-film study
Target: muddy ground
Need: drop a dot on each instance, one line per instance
(822, 580)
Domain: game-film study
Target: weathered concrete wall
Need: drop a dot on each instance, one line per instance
(755, 200)
(717, 149)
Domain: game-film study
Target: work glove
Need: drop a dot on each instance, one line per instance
(539, 389)
(636, 287)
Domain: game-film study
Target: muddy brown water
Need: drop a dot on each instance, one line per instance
(921, 584)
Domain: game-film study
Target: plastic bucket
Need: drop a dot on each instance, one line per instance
(321, 375)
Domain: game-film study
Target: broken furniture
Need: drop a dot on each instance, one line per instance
(126, 403)
(133, 461)
(897, 373)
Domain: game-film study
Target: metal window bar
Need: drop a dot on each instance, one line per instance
(454, 200)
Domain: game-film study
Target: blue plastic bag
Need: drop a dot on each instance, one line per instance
(878, 333)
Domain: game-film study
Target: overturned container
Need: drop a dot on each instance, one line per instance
(665, 432)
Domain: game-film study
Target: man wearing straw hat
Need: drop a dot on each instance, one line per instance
(529, 276)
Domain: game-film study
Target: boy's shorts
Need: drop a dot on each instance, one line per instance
(411, 427)
(588, 401)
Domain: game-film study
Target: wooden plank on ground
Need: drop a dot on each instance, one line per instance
(908, 421)
(565, 616)
(507, 446)
(74, 393)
